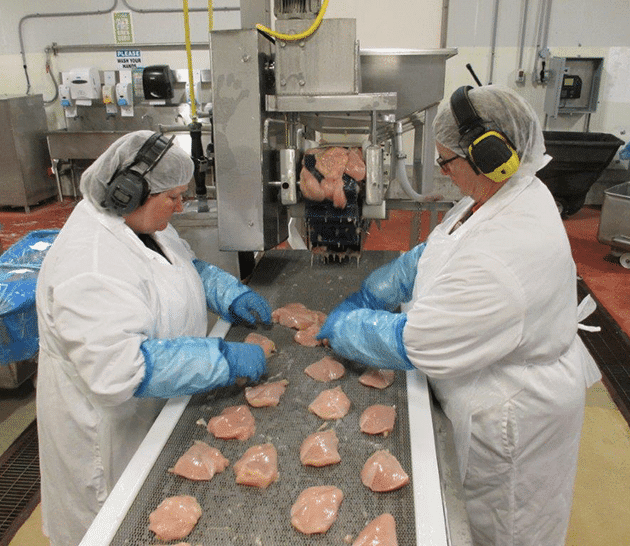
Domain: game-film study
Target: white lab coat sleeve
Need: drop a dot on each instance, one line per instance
(470, 316)
(101, 323)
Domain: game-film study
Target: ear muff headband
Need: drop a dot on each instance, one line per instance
(489, 151)
(128, 189)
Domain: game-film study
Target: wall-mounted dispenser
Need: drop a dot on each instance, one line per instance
(85, 84)
(65, 97)
(109, 92)
(124, 93)
(124, 98)
(157, 83)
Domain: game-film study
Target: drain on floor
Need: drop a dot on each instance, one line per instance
(19, 483)
(611, 350)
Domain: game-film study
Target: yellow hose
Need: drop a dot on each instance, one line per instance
(191, 83)
(210, 16)
(301, 35)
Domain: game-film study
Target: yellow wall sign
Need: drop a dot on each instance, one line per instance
(123, 29)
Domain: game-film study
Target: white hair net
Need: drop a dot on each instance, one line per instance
(500, 109)
(174, 169)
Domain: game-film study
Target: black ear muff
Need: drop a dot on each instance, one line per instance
(128, 189)
(489, 151)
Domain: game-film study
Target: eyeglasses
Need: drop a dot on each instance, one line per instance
(443, 162)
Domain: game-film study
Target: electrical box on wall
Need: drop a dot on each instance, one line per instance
(573, 86)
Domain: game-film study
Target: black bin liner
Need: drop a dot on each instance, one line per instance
(578, 161)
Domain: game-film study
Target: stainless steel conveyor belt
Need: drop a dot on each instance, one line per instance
(236, 514)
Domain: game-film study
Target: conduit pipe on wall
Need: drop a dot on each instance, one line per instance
(493, 46)
(542, 52)
(171, 10)
(84, 47)
(520, 72)
(41, 15)
(444, 25)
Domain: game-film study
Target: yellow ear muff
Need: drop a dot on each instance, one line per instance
(494, 156)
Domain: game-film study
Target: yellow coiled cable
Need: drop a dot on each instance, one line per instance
(301, 35)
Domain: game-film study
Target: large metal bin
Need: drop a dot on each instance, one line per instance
(578, 161)
(24, 159)
(614, 222)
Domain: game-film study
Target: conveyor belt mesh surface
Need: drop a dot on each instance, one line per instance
(242, 515)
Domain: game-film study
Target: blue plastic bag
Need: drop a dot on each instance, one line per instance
(19, 267)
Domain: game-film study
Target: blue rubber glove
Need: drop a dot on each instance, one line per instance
(391, 284)
(250, 307)
(369, 337)
(181, 366)
(356, 300)
(244, 360)
(220, 287)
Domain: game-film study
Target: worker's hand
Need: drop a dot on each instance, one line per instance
(327, 331)
(251, 308)
(245, 360)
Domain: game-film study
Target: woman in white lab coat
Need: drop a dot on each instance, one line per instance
(491, 318)
(122, 315)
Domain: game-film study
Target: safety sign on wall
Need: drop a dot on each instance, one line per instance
(123, 29)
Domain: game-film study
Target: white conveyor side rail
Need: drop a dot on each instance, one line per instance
(429, 508)
(115, 508)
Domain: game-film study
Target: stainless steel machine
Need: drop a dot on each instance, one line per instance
(273, 99)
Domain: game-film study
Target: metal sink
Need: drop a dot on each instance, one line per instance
(67, 145)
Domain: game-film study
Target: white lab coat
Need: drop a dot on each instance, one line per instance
(101, 292)
(493, 324)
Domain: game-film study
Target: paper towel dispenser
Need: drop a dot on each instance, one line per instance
(157, 82)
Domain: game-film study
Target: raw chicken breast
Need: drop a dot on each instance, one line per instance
(320, 449)
(258, 466)
(306, 337)
(265, 395)
(330, 404)
(325, 369)
(298, 316)
(310, 187)
(175, 517)
(235, 422)
(332, 163)
(381, 531)
(378, 419)
(355, 166)
(382, 472)
(268, 346)
(200, 462)
(315, 510)
(379, 379)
